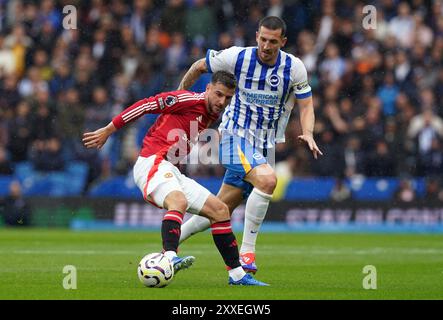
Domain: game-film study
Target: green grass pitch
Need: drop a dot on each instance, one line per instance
(298, 266)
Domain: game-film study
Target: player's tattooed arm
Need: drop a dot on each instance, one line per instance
(197, 69)
(307, 121)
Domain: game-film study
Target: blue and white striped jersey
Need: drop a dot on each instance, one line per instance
(263, 100)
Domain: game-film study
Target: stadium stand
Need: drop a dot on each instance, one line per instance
(377, 92)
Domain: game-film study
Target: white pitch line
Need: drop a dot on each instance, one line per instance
(70, 252)
(203, 249)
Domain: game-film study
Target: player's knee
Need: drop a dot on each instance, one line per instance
(267, 183)
(220, 212)
(176, 200)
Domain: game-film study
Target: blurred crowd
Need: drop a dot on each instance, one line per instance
(377, 92)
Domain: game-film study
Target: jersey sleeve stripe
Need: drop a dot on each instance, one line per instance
(303, 95)
(208, 64)
(190, 99)
(185, 95)
(142, 108)
(134, 116)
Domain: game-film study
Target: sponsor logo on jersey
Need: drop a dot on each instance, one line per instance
(215, 53)
(302, 85)
(170, 101)
(273, 80)
(259, 98)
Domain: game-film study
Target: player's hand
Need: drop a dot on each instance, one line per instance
(96, 139)
(311, 144)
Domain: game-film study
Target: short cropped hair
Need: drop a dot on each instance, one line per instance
(225, 78)
(273, 23)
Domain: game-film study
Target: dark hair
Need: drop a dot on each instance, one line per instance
(225, 78)
(273, 23)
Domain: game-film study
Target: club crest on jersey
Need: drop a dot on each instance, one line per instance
(170, 101)
(273, 80)
(257, 156)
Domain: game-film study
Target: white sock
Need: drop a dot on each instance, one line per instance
(237, 273)
(255, 212)
(192, 226)
(170, 254)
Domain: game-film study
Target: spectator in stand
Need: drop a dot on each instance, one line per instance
(62, 80)
(340, 192)
(201, 21)
(99, 112)
(333, 66)
(430, 162)
(173, 16)
(380, 163)
(402, 25)
(405, 192)
(46, 155)
(70, 120)
(354, 157)
(388, 93)
(6, 166)
(20, 127)
(423, 129)
(7, 59)
(433, 190)
(14, 208)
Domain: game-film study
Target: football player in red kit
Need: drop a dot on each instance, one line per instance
(162, 184)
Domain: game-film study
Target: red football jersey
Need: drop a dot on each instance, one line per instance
(183, 116)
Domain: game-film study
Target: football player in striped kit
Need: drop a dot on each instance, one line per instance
(160, 181)
(270, 81)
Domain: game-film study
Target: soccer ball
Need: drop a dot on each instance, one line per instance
(155, 270)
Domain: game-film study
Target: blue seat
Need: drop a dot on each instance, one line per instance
(69, 182)
(123, 187)
(374, 189)
(419, 185)
(5, 181)
(309, 189)
(24, 170)
(78, 173)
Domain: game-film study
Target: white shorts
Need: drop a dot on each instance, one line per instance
(156, 178)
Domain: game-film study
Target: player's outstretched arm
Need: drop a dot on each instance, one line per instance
(307, 121)
(98, 138)
(197, 69)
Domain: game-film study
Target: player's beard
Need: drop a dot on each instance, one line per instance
(213, 109)
(266, 56)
